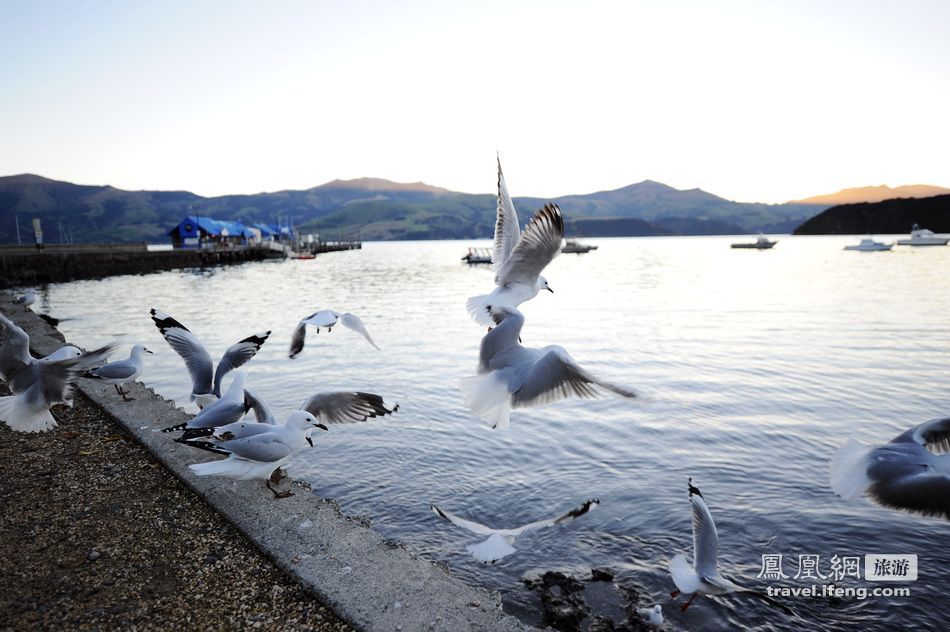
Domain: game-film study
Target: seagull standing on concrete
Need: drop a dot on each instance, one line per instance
(26, 299)
(907, 473)
(122, 371)
(518, 258)
(326, 318)
(205, 379)
(511, 375)
(258, 455)
(500, 541)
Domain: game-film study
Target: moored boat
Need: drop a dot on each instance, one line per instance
(923, 237)
(761, 243)
(869, 245)
(572, 246)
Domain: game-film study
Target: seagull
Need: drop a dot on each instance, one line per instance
(500, 541)
(205, 385)
(332, 408)
(259, 455)
(229, 408)
(653, 616)
(518, 258)
(511, 375)
(38, 384)
(122, 371)
(703, 576)
(26, 299)
(326, 318)
(907, 473)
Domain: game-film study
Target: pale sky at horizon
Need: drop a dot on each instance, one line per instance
(754, 101)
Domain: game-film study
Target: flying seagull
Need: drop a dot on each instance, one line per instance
(326, 318)
(205, 383)
(258, 455)
(122, 371)
(500, 541)
(703, 577)
(518, 258)
(908, 473)
(511, 375)
(39, 384)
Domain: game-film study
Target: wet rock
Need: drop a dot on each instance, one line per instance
(93, 555)
(601, 575)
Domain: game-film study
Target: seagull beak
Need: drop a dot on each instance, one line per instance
(310, 441)
(149, 351)
(549, 290)
(321, 427)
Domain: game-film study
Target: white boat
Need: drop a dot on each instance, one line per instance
(761, 243)
(869, 245)
(572, 246)
(923, 237)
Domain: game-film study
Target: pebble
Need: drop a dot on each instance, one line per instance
(93, 555)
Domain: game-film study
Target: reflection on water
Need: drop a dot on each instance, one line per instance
(757, 365)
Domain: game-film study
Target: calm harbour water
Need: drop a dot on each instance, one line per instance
(757, 365)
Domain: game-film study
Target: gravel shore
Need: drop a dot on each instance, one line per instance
(96, 534)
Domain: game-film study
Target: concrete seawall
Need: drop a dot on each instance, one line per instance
(24, 266)
(369, 582)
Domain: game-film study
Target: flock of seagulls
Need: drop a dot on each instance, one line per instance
(908, 473)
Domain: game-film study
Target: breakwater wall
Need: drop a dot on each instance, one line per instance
(374, 584)
(55, 263)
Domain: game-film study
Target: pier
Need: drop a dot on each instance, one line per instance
(27, 265)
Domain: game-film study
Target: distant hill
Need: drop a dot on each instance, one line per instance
(889, 216)
(375, 209)
(874, 194)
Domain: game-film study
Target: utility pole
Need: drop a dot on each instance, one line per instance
(18, 230)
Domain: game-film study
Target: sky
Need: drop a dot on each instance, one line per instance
(756, 101)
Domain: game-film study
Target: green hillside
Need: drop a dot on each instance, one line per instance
(374, 209)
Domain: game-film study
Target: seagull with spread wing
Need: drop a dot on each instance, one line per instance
(500, 541)
(703, 577)
(518, 258)
(515, 376)
(909, 473)
(39, 383)
(205, 379)
(326, 318)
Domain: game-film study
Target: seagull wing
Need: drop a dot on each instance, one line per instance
(262, 411)
(14, 351)
(352, 321)
(539, 244)
(912, 488)
(555, 376)
(186, 345)
(590, 505)
(238, 355)
(933, 434)
(342, 407)
(240, 430)
(507, 229)
(705, 539)
(469, 525)
(266, 447)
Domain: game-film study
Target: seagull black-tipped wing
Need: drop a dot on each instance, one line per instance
(458, 521)
(577, 512)
(507, 229)
(186, 345)
(539, 244)
(238, 355)
(14, 350)
(555, 376)
(342, 407)
(933, 434)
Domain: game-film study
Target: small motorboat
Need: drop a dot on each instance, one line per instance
(869, 245)
(478, 255)
(761, 243)
(572, 246)
(302, 255)
(923, 237)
